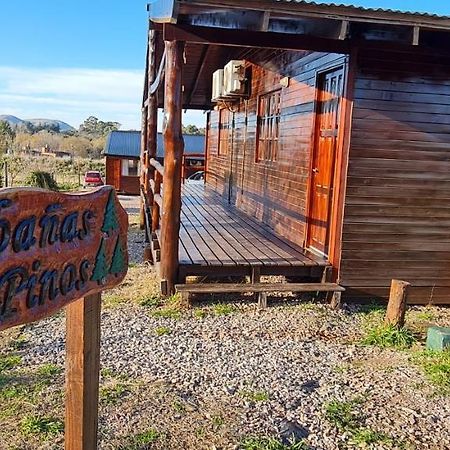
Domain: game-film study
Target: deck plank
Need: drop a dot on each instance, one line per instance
(241, 254)
(287, 250)
(266, 253)
(214, 234)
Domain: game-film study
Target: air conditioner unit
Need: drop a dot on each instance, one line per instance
(217, 87)
(234, 79)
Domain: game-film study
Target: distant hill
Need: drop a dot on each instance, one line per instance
(40, 123)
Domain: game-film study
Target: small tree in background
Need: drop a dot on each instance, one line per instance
(7, 136)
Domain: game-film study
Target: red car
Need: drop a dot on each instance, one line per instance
(93, 178)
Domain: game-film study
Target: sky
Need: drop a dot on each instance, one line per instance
(68, 60)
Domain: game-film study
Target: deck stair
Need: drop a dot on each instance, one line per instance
(262, 289)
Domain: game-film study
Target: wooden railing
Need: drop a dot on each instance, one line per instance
(153, 204)
(155, 186)
(185, 167)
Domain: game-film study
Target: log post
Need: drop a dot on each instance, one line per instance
(143, 174)
(82, 372)
(395, 314)
(149, 130)
(174, 149)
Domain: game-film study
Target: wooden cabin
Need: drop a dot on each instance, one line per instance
(123, 152)
(328, 154)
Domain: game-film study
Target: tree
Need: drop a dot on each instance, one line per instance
(95, 128)
(193, 129)
(110, 222)
(15, 166)
(101, 268)
(7, 136)
(118, 260)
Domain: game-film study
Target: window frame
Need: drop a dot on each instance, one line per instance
(223, 148)
(268, 126)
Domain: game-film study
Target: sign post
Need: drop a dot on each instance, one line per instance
(60, 250)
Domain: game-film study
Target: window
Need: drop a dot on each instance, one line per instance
(130, 167)
(224, 131)
(269, 113)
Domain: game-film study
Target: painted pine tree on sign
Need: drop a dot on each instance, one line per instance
(110, 222)
(101, 266)
(118, 260)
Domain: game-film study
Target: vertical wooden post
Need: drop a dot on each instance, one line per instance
(82, 372)
(174, 149)
(149, 129)
(395, 314)
(144, 169)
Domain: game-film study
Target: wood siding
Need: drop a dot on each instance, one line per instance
(114, 177)
(397, 207)
(274, 192)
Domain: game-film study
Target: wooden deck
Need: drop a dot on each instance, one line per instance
(217, 239)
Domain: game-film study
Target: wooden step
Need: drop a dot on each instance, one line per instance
(261, 288)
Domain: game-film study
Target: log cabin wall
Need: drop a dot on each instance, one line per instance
(275, 192)
(397, 207)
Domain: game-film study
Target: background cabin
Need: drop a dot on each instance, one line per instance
(123, 150)
(329, 135)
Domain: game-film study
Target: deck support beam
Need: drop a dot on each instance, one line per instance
(174, 149)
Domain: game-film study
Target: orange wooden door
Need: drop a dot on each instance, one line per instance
(330, 87)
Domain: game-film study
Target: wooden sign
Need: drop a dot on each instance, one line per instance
(56, 248)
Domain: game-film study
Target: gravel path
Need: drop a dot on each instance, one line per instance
(256, 370)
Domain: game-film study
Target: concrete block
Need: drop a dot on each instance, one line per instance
(438, 338)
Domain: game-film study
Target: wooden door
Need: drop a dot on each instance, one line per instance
(330, 88)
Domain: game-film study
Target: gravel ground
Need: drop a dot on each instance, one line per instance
(256, 370)
(210, 377)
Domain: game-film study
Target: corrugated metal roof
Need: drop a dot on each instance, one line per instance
(128, 144)
(363, 8)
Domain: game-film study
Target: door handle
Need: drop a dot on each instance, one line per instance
(315, 170)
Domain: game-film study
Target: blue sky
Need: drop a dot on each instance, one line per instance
(70, 59)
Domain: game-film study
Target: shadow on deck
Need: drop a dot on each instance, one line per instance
(217, 239)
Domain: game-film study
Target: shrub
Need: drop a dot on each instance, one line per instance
(42, 180)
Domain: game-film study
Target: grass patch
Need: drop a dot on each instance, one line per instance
(436, 366)
(389, 336)
(140, 287)
(19, 343)
(270, 443)
(141, 440)
(8, 362)
(47, 426)
(150, 302)
(167, 313)
(49, 370)
(161, 331)
(368, 436)
(200, 313)
(426, 315)
(254, 396)
(217, 421)
(343, 415)
(110, 395)
(222, 309)
(178, 407)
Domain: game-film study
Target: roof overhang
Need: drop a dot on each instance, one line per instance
(174, 11)
(216, 31)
